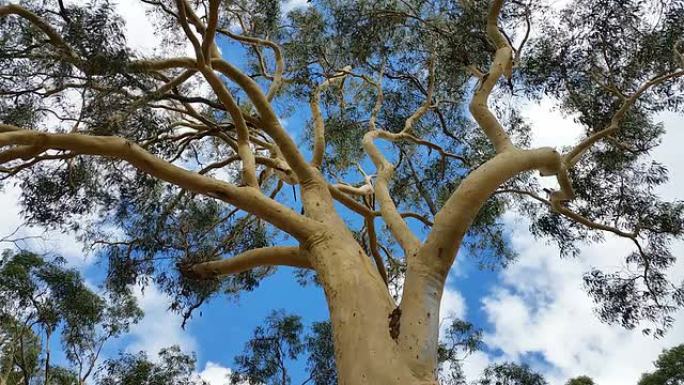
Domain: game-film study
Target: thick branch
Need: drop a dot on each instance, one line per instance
(427, 270)
(493, 31)
(246, 198)
(269, 120)
(267, 256)
(494, 131)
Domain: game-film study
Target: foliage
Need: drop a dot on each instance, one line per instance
(511, 374)
(173, 367)
(147, 156)
(266, 353)
(669, 368)
(459, 340)
(41, 299)
(282, 339)
(581, 380)
(321, 359)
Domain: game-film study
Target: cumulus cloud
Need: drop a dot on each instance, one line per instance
(35, 238)
(215, 374)
(453, 306)
(542, 308)
(159, 328)
(539, 306)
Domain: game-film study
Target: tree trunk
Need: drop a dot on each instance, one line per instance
(366, 322)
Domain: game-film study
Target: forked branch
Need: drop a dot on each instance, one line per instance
(246, 198)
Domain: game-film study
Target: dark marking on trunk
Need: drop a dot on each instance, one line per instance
(439, 253)
(394, 323)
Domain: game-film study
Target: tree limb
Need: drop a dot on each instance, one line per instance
(247, 198)
(266, 256)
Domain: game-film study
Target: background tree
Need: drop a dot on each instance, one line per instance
(511, 374)
(277, 343)
(41, 300)
(460, 339)
(581, 380)
(268, 351)
(414, 150)
(669, 368)
(172, 367)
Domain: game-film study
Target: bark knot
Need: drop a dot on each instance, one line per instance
(394, 323)
(315, 239)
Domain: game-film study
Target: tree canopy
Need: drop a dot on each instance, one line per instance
(40, 299)
(581, 380)
(177, 166)
(669, 368)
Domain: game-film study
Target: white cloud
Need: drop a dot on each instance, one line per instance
(550, 127)
(215, 374)
(475, 364)
(540, 306)
(140, 32)
(291, 5)
(160, 327)
(453, 306)
(670, 154)
(40, 240)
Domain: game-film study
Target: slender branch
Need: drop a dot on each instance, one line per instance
(183, 6)
(373, 244)
(277, 53)
(52, 34)
(398, 227)
(574, 155)
(478, 105)
(560, 209)
(210, 31)
(427, 104)
(319, 126)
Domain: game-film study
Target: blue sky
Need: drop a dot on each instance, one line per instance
(536, 311)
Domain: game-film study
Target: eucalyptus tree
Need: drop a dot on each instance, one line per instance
(174, 163)
(511, 374)
(669, 368)
(581, 380)
(281, 340)
(172, 367)
(44, 305)
(268, 351)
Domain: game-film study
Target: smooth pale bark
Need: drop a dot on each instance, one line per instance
(265, 256)
(359, 306)
(427, 270)
(376, 342)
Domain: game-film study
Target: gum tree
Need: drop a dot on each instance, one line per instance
(174, 163)
(47, 311)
